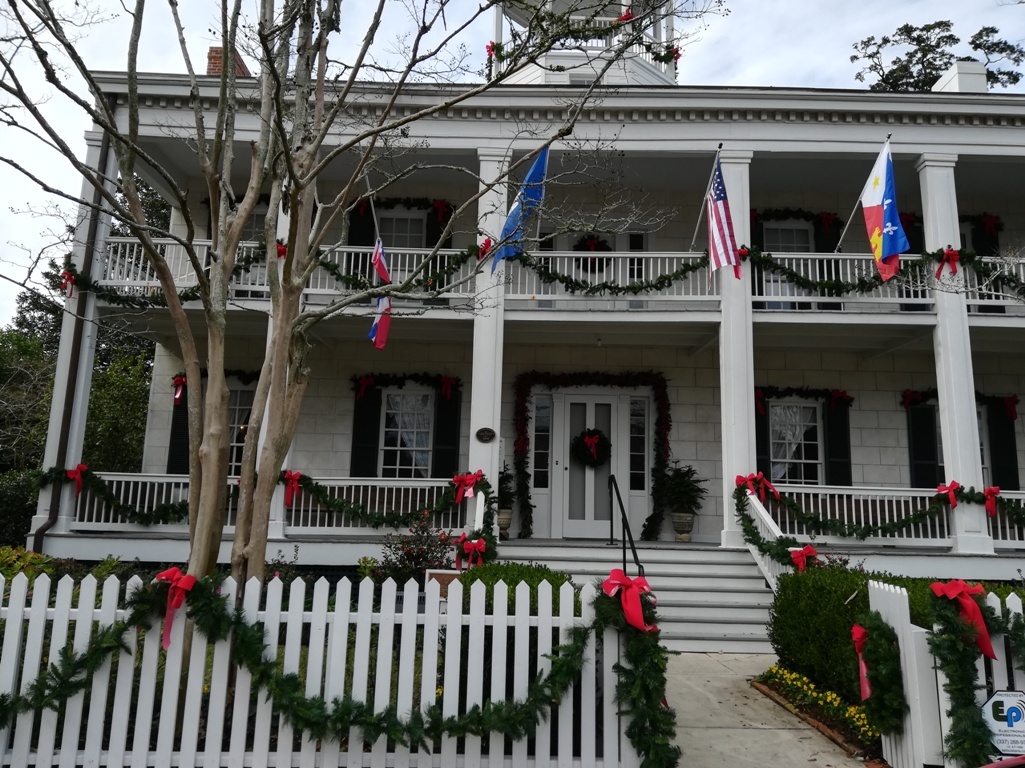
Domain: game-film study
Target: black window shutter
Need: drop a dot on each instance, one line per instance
(837, 424)
(827, 234)
(922, 447)
(178, 443)
(432, 232)
(361, 227)
(916, 237)
(986, 243)
(1003, 450)
(366, 433)
(762, 441)
(445, 456)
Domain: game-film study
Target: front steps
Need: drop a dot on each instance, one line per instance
(709, 599)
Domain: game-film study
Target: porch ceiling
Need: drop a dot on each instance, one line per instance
(588, 332)
(866, 340)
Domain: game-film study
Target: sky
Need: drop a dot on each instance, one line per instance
(786, 43)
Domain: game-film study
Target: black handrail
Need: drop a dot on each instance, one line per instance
(627, 533)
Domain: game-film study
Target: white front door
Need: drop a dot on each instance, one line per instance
(584, 491)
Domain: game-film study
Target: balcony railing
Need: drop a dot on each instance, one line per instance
(1005, 532)
(988, 298)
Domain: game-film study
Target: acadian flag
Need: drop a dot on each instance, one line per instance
(528, 201)
(882, 220)
(382, 322)
(380, 262)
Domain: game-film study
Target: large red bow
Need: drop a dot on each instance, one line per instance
(476, 547)
(68, 282)
(76, 475)
(1011, 407)
(464, 484)
(800, 556)
(627, 15)
(441, 208)
(760, 401)
(291, 485)
(448, 384)
(366, 383)
(484, 249)
(956, 589)
(179, 388)
(991, 494)
(282, 250)
(860, 636)
(910, 397)
(758, 484)
(839, 397)
(951, 257)
(180, 584)
(951, 491)
(630, 591)
(591, 441)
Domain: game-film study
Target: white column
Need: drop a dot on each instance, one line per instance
(955, 380)
(68, 439)
(488, 328)
(736, 349)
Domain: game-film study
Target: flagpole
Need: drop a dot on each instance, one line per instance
(855, 210)
(704, 198)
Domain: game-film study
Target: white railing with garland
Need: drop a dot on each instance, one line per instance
(770, 532)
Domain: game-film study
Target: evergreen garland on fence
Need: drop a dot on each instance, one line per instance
(640, 687)
(887, 705)
(572, 284)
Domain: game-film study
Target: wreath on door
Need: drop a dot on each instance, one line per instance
(591, 448)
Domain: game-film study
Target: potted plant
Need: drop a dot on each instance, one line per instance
(506, 496)
(682, 494)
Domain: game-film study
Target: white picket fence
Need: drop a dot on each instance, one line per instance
(927, 723)
(151, 708)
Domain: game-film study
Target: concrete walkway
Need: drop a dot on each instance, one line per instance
(723, 722)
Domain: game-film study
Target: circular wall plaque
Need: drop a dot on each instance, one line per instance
(485, 434)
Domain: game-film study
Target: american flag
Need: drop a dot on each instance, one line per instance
(380, 262)
(722, 246)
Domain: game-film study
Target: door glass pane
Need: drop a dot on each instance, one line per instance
(577, 471)
(638, 444)
(602, 503)
(542, 440)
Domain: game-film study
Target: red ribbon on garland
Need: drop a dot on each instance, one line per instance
(758, 484)
(179, 388)
(476, 547)
(464, 484)
(291, 485)
(282, 250)
(440, 207)
(990, 223)
(910, 397)
(76, 475)
(484, 249)
(180, 584)
(630, 591)
(956, 589)
(365, 383)
(760, 401)
(800, 556)
(860, 636)
(1011, 407)
(951, 491)
(839, 397)
(448, 384)
(362, 206)
(991, 494)
(490, 49)
(951, 257)
(591, 441)
(68, 282)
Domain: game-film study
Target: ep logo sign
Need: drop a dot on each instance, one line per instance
(1005, 715)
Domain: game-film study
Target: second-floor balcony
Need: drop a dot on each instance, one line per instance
(576, 280)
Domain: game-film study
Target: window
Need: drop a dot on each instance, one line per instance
(253, 230)
(638, 444)
(788, 237)
(407, 419)
(794, 447)
(240, 407)
(401, 229)
(541, 445)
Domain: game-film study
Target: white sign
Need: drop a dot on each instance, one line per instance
(1004, 713)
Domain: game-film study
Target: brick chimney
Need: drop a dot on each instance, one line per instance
(215, 63)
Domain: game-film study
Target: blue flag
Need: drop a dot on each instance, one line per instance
(528, 201)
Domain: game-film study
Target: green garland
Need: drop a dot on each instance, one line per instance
(581, 453)
(572, 284)
(887, 705)
(168, 512)
(114, 297)
(363, 382)
(639, 690)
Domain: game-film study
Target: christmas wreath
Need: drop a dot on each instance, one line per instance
(591, 448)
(593, 244)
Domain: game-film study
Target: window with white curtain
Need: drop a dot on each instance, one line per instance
(407, 422)
(795, 449)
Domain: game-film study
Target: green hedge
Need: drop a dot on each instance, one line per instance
(512, 574)
(19, 492)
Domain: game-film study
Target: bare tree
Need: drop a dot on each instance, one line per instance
(320, 105)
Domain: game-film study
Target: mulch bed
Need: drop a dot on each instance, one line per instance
(834, 731)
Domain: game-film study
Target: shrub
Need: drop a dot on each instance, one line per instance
(512, 574)
(19, 494)
(15, 560)
(407, 556)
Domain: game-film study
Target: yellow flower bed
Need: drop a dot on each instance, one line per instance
(798, 689)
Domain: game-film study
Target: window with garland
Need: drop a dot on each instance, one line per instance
(803, 441)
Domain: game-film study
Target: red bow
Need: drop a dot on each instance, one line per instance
(627, 15)
(591, 441)
(1011, 407)
(592, 243)
(676, 53)
(860, 635)
(441, 208)
(476, 547)
(630, 591)
(76, 475)
(291, 485)
(365, 383)
(447, 385)
(991, 494)
(490, 49)
(362, 206)
(951, 491)
(742, 251)
(458, 543)
(68, 282)
(951, 257)
(464, 484)
(827, 220)
(757, 484)
(800, 556)
(179, 388)
(990, 223)
(760, 401)
(910, 397)
(839, 396)
(484, 249)
(282, 250)
(958, 590)
(180, 584)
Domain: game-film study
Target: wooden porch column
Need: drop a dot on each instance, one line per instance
(488, 327)
(955, 379)
(69, 405)
(736, 349)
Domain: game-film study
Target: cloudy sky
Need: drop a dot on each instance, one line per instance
(799, 43)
